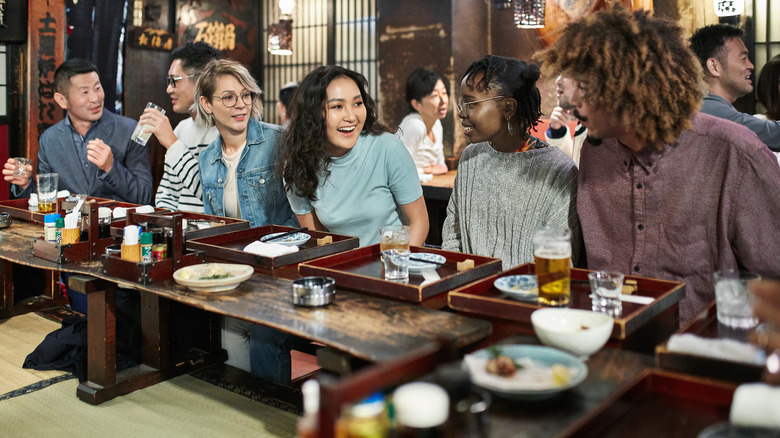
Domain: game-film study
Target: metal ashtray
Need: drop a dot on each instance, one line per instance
(5, 220)
(313, 291)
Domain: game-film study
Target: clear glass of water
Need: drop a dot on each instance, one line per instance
(139, 136)
(396, 262)
(606, 289)
(733, 299)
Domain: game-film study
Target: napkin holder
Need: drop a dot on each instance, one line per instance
(156, 271)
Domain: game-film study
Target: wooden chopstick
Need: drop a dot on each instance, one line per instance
(268, 239)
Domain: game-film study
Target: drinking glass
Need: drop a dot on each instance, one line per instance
(20, 163)
(47, 192)
(139, 136)
(606, 288)
(552, 254)
(394, 237)
(396, 262)
(733, 299)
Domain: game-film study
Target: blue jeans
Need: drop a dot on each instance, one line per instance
(269, 353)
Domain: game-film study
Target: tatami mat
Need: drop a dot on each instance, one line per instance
(181, 407)
(18, 337)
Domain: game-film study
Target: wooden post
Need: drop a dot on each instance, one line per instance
(45, 51)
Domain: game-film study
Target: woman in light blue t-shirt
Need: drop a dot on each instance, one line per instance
(343, 171)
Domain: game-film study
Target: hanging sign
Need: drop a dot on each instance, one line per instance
(153, 39)
(729, 8)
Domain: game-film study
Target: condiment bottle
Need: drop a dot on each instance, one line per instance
(308, 425)
(104, 222)
(59, 225)
(49, 231)
(421, 410)
(367, 419)
(146, 247)
(131, 249)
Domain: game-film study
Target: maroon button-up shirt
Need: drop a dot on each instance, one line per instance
(708, 202)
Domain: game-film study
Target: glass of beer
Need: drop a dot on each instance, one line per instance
(394, 237)
(552, 254)
(47, 192)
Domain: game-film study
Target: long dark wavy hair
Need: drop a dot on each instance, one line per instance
(304, 145)
(512, 78)
(767, 90)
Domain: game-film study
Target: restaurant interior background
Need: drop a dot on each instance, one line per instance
(130, 42)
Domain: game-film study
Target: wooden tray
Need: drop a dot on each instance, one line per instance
(18, 208)
(706, 326)
(229, 246)
(361, 269)
(658, 404)
(91, 248)
(160, 270)
(482, 298)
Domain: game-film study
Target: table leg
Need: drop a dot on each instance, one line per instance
(154, 330)
(7, 283)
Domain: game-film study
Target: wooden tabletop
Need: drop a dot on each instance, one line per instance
(366, 327)
(440, 187)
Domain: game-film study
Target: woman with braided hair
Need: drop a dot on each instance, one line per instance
(509, 183)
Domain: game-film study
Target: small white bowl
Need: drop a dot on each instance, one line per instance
(580, 332)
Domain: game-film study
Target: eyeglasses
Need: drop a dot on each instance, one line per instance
(465, 107)
(230, 100)
(171, 80)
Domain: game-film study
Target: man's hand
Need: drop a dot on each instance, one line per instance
(8, 174)
(100, 155)
(560, 117)
(160, 126)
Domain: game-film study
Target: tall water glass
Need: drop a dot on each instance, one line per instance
(139, 136)
(733, 299)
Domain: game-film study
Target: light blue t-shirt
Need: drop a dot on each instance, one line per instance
(365, 188)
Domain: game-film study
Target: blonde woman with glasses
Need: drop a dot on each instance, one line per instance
(238, 169)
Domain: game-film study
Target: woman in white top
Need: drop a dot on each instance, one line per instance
(421, 129)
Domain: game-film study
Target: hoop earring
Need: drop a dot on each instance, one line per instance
(509, 127)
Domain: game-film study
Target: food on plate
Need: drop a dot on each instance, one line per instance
(214, 273)
(561, 375)
(501, 366)
(187, 274)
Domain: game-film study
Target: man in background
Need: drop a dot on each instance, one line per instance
(90, 149)
(728, 71)
(180, 188)
(663, 190)
(557, 133)
(283, 104)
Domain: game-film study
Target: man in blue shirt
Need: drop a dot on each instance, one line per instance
(90, 149)
(728, 71)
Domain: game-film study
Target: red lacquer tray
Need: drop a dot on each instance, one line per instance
(706, 326)
(361, 269)
(482, 298)
(18, 208)
(658, 404)
(229, 246)
(220, 225)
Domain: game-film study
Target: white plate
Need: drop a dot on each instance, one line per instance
(431, 261)
(544, 357)
(519, 287)
(192, 276)
(296, 239)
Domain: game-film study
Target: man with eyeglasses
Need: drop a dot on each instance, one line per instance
(180, 185)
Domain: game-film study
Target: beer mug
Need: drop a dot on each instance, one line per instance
(552, 254)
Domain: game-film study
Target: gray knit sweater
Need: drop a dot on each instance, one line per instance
(499, 199)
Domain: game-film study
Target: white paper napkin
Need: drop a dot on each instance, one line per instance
(269, 249)
(756, 404)
(725, 349)
(144, 209)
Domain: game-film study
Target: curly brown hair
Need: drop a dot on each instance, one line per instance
(636, 66)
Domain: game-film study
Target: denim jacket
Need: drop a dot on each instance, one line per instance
(261, 194)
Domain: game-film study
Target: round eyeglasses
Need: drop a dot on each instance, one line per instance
(465, 107)
(230, 100)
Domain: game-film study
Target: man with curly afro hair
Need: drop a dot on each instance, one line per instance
(663, 190)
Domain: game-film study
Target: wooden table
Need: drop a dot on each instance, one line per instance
(365, 327)
(437, 193)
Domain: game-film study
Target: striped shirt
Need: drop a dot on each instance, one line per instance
(180, 185)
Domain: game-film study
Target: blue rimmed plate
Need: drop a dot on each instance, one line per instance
(519, 287)
(432, 261)
(537, 360)
(296, 239)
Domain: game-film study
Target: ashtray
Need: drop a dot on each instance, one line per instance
(5, 220)
(313, 291)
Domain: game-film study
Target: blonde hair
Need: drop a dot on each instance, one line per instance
(207, 85)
